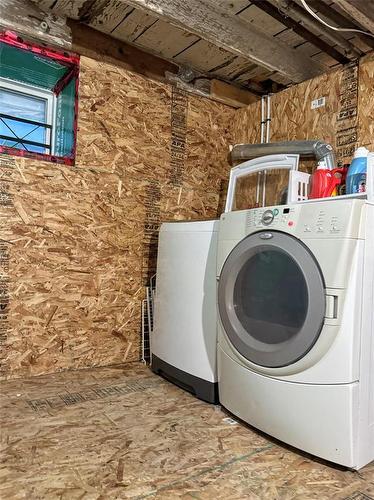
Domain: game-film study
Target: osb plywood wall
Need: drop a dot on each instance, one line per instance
(345, 121)
(366, 103)
(77, 244)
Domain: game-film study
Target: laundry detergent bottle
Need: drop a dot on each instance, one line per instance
(356, 177)
(324, 181)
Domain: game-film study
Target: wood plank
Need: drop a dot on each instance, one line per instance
(317, 41)
(110, 16)
(134, 25)
(68, 8)
(255, 74)
(235, 68)
(25, 18)
(298, 13)
(205, 56)
(165, 39)
(289, 37)
(97, 45)
(261, 19)
(94, 44)
(361, 10)
(233, 96)
(204, 19)
(233, 6)
(340, 18)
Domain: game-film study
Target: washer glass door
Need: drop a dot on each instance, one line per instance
(271, 298)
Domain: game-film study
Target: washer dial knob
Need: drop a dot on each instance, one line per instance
(267, 217)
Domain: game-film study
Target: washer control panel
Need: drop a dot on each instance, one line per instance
(310, 220)
(276, 217)
(267, 217)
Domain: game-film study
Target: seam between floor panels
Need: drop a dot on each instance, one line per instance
(196, 475)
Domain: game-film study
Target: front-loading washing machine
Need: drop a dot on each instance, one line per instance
(295, 330)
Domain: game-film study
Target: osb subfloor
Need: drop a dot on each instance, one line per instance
(125, 433)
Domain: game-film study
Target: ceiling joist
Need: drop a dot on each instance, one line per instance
(300, 30)
(361, 10)
(289, 7)
(208, 21)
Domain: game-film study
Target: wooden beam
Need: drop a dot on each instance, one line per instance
(96, 45)
(339, 20)
(28, 20)
(290, 7)
(208, 21)
(361, 10)
(92, 43)
(230, 95)
(300, 30)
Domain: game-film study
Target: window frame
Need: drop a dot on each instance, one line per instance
(62, 153)
(38, 93)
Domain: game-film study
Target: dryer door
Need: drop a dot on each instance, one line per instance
(271, 299)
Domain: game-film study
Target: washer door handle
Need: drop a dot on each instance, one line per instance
(266, 236)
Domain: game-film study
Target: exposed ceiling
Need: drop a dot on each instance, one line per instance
(260, 45)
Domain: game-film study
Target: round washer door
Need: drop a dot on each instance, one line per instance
(271, 299)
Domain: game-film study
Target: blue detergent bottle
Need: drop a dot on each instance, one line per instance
(356, 177)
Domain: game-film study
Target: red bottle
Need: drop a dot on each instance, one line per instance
(325, 182)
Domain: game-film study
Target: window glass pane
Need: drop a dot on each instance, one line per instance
(23, 105)
(27, 107)
(271, 297)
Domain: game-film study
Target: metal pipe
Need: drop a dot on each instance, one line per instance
(268, 117)
(318, 149)
(267, 139)
(263, 128)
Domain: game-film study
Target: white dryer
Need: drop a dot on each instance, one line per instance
(295, 334)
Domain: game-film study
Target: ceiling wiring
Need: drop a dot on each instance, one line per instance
(312, 13)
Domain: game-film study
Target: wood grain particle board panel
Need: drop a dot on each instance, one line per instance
(208, 139)
(82, 239)
(123, 432)
(293, 118)
(110, 16)
(205, 56)
(366, 102)
(75, 268)
(165, 39)
(112, 136)
(133, 26)
(247, 124)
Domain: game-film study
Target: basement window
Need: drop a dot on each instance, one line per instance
(38, 101)
(26, 118)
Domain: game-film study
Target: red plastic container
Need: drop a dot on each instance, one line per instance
(325, 182)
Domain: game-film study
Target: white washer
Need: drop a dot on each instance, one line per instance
(184, 338)
(295, 335)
